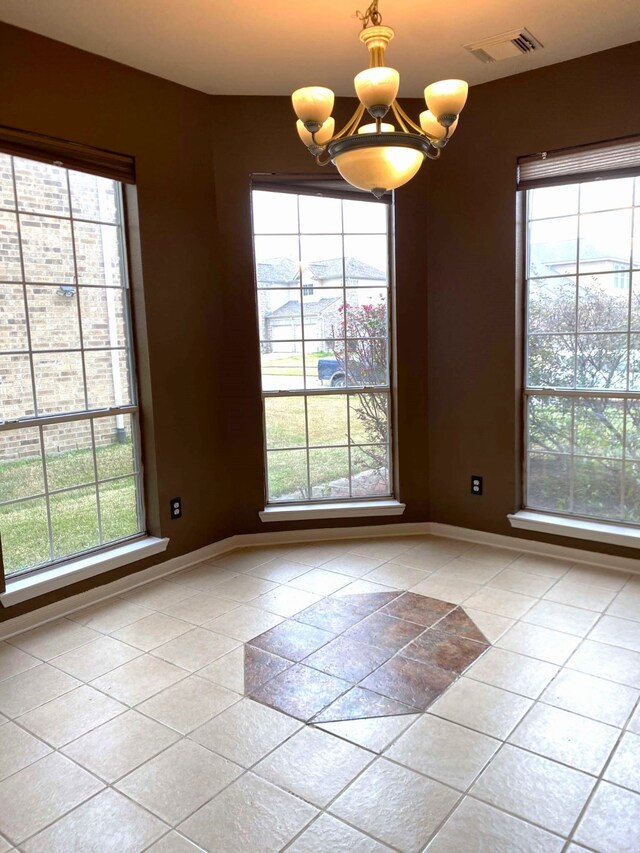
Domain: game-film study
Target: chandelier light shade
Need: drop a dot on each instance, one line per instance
(378, 157)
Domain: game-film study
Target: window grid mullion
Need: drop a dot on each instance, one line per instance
(45, 480)
(77, 294)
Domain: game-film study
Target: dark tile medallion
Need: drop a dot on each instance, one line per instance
(292, 640)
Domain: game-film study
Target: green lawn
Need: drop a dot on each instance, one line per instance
(74, 519)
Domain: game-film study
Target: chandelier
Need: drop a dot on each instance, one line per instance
(377, 157)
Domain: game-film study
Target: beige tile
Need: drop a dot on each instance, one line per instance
(381, 548)
(328, 834)
(157, 594)
(188, 704)
(375, 733)
(18, 749)
(250, 815)
(203, 578)
(444, 751)
(200, 608)
(595, 576)
(13, 661)
(426, 559)
(617, 632)
(611, 823)
(41, 793)
(634, 722)
(492, 625)
(397, 576)
(286, 601)
(534, 788)
(108, 822)
(542, 643)
(624, 768)
(354, 565)
(152, 631)
(593, 697)
(395, 805)
(479, 827)
(491, 555)
(244, 623)
(71, 715)
(244, 588)
(179, 780)
(626, 605)
(522, 582)
(314, 765)
(538, 564)
(511, 671)
(173, 843)
(242, 560)
(139, 679)
(195, 649)
(246, 732)
(119, 746)
(361, 585)
(320, 582)
(34, 687)
(316, 554)
(279, 570)
(501, 601)
(107, 616)
(566, 737)
(5, 846)
(467, 570)
(227, 670)
(53, 639)
(482, 707)
(580, 595)
(454, 590)
(96, 658)
(598, 659)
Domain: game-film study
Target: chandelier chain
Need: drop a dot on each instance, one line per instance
(371, 17)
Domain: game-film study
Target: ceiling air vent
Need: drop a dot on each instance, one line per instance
(504, 46)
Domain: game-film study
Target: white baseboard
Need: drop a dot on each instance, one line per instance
(50, 612)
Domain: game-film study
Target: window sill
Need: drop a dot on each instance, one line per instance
(594, 531)
(348, 509)
(24, 587)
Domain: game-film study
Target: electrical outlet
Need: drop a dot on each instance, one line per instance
(476, 484)
(176, 507)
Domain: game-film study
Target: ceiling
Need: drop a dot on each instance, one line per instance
(258, 48)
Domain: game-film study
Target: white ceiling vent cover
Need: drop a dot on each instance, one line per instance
(504, 46)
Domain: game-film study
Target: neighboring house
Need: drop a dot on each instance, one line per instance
(281, 314)
(559, 259)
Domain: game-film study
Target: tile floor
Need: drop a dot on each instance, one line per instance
(144, 723)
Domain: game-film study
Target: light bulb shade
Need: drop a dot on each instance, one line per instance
(323, 135)
(446, 97)
(371, 128)
(313, 104)
(431, 126)
(377, 86)
(378, 166)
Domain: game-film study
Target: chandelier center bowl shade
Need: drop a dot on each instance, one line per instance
(378, 157)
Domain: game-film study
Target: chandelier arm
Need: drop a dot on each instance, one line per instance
(323, 158)
(351, 125)
(436, 155)
(408, 120)
(397, 113)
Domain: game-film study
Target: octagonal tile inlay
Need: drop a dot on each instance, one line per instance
(362, 655)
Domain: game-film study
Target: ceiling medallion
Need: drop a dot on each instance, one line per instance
(377, 157)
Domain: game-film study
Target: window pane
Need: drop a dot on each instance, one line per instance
(283, 369)
(53, 317)
(10, 269)
(370, 471)
(41, 188)
(285, 422)
(274, 213)
(364, 217)
(329, 473)
(25, 534)
(548, 482)
(277, 261)
(103, 317)
(599, 426)
(15, 387)
(602, 361)
(553, 201)
(365, 260)
(21, 473)
(549, 424)
(280, 319)
(325, 364)
(323, 310)
(107, 378)
(633, 429)
(369, 418)
(7, 198)
(287, 475)
(605, 240)
(603, 302)
(552, 305)
(118, 509)
(47, 249)
(13, 323)
(606, 195)
(322, 262)
(115, 454)
(59, 382)
(632, 493)
(552, 246)
(598, 486)
(97, 254)
(69, 454)
(93, 197)
(74, 521)
(327, 418)
(320, 215)
(551, 361)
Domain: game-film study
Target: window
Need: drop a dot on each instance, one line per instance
(69, 451)
(322, 276)
(583, 349)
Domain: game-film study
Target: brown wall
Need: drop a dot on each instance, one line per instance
(474, 311)
(457, 379)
